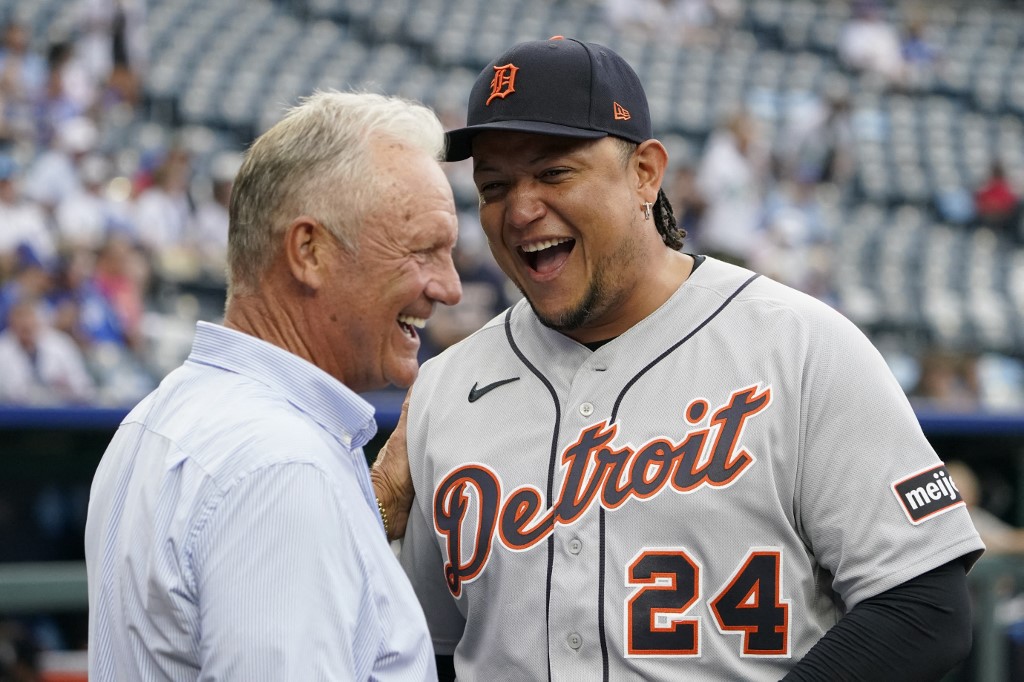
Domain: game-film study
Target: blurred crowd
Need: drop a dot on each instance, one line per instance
(761, 198)
(111, 247)
(91, 224)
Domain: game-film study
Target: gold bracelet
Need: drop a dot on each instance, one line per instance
(383, 517)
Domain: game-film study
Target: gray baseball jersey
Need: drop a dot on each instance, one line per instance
(703, 495)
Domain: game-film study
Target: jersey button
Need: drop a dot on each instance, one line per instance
(574, 640)
(575, 546)
(586, 409)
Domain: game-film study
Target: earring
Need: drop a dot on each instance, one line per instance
(647, 210)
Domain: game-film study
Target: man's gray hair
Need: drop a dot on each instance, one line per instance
(317, 161)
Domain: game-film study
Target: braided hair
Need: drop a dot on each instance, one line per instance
(664, 218)
(671, 233)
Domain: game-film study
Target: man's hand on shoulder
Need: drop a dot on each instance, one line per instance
(392, 480)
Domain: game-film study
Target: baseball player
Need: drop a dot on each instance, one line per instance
(656, 465)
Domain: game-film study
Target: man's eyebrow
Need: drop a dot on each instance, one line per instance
(543, 156)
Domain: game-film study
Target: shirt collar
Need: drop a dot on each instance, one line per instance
(334, 406)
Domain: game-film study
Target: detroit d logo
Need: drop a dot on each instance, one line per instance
(504, 82)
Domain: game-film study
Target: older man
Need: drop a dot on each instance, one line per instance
(233, 530)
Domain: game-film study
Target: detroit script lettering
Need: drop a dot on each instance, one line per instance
(595, 471)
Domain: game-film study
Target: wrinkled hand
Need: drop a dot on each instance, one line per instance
(392, 480)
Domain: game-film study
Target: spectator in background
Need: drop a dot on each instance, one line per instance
(22, 223)
(114, 44)
(163, 210)
(795, 245)
(953, 202)
(88, 215)
(800, 200)
(79, 309)
(77, 82)
(122, 275)
(997, 204)
(921, 58)
(820, 144)
(208, 235)
(31, 278)
(54, 175)
(947, 381)
(679, 21)
(726, 15)
(22, 80)
(732, 177)
(42, 366)
(870, 44)
(685, 22)
(63, 98)
(999, 536)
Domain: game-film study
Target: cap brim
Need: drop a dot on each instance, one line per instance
(460, 140)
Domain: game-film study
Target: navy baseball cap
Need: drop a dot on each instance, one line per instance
(558, 87)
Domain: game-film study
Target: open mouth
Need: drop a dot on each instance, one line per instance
(547, 256)
(410, 324)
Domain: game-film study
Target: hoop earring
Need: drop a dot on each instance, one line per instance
(647, 210)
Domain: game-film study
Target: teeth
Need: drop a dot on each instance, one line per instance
(540, 246)
(417, 322)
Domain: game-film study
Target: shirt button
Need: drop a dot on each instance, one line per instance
(586, 409)
(575, 546)
(575, 641)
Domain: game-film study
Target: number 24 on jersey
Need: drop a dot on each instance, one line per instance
(667, 583)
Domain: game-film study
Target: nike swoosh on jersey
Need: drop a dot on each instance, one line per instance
(477, 393)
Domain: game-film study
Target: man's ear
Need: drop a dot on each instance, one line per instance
(307, 249)
(651, 162)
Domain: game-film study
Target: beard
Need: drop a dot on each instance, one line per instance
(607, 290)
(576, 316)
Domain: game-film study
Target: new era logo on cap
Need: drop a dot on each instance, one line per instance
(558, 87)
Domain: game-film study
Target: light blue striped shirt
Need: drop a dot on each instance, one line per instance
(233, 533)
